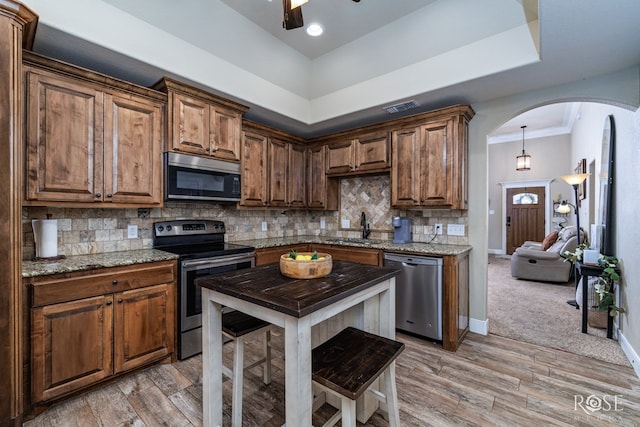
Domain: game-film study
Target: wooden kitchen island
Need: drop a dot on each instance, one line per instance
(309, 311)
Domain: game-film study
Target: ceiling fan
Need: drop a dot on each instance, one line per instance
(293, 13)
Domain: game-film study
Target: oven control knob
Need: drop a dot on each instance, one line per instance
(169, 228)
(160, 228)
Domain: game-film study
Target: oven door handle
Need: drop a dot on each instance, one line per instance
(217, 261)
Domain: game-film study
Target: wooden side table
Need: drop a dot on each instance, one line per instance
(584, 271)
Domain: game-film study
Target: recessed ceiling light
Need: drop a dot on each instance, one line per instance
(315, 30)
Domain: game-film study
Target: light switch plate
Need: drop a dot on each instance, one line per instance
(132, 231)
(345, 223)
(264, 226)
(455, 229)
(323, 224)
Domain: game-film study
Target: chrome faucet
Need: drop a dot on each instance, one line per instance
(366, 230)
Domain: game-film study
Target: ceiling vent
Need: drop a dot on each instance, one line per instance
(403, 106)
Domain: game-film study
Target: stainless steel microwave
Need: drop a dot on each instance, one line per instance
(194, 178)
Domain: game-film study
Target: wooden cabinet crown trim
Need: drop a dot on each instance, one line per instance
(105, 82)
(395, 124)
(167, 84)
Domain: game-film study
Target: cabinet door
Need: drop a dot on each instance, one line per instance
(316, 178)
(71, 346)
(133, 150)
(340, 157)
(436, 164)
(143, 327)
(278, 165)
(64, 140)
(190, 125)
(372, 152)
(405, 181)
(296, 187)
(225, 129)
(254, 170)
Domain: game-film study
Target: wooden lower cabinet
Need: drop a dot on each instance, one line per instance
(78, 342)
(351, 254)
(455, 300)
(71, 346)
(271, 255)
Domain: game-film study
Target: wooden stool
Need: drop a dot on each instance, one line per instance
(239, 326)
(349, 363)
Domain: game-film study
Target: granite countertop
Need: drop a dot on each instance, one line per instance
(93, 261)
(115, 259)
(386, 245)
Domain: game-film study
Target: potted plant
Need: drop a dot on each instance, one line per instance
(605, 297)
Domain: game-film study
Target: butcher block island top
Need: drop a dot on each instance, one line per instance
(267, 287)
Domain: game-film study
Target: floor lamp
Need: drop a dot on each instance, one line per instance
(575, 180)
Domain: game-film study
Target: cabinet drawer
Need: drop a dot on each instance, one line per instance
(72, 286)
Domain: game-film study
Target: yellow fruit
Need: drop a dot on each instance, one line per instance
(299, 257)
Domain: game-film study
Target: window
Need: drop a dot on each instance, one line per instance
(525, 199)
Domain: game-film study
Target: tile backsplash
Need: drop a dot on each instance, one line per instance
(94, 230)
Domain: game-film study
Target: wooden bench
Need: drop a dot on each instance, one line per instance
(349, 363)
(238, 326)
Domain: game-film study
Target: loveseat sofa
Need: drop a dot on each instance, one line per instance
(542, 261)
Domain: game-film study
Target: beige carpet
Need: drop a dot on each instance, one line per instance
(538, 313)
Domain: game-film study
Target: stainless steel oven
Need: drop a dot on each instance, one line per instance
(202, 251)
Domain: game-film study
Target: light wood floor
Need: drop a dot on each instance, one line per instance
(489, 381)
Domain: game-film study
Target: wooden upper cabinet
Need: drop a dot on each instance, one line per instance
(133, 141)
(366, 153)
(190, 130)
(322, 192)
(340, 157)
(430, 162)
(202, 123)
(278, 154)
(297, 191)
(225, 134)
(64, 140)
(87, 142)
(273, 168)
(436, 173)
(254, 170)
(373, 152)
(287, 183)
(405, 178)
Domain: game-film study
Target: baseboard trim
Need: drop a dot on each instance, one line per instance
(495, 251)
(479, 326)
(630, 352)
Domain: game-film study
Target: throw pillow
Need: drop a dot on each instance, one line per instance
(549, 240)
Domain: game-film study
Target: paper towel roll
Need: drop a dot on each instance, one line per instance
(45, 234)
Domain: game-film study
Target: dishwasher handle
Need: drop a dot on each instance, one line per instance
(412, 260)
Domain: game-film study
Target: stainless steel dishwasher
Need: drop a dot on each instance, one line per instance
(418, 294)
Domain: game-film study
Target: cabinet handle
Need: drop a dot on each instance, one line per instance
(119, 300)
(98, 195)
(115, 281)
(109, 195)
(109, 302)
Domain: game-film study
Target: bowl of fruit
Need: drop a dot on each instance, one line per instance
(305, 265)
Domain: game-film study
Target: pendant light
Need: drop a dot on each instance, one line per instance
(523, 161)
